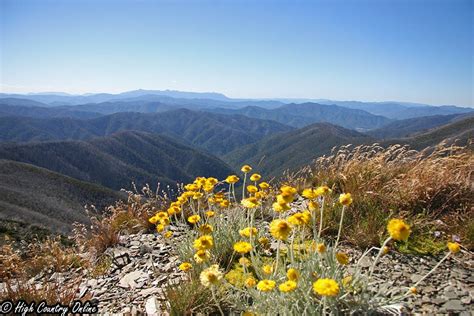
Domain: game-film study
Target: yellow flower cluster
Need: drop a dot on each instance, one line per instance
(269, 262)
(242, 247)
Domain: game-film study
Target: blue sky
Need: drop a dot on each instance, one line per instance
(418, 51)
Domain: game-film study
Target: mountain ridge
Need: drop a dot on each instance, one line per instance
(216, 133)
(117, 160)
(300, 115)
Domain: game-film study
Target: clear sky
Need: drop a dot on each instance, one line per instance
(419, 51)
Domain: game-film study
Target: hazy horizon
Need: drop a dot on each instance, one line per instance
(372, 51)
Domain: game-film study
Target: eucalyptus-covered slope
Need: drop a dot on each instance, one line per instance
(407, 127)
(272, 155)
(460, 132)
(216, 133)
(33, 195)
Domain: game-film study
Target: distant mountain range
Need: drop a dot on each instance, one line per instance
(201, 100)
(181, 98)
(399, 110)
(28, 108)
(215, 133)
(300, 115)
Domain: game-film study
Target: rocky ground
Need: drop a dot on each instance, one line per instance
(144, 264)
(449, 290)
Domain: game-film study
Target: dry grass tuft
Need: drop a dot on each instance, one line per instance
(433, 188)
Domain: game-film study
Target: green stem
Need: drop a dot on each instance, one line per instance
(233, 192)
(292, 254)
(243, 189)
(431, 271)
(215, 300)
(321, 220)
(340, 226)
(378, 255)
(277, 257)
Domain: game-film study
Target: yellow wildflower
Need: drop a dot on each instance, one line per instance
(322, 190)
(326, 287)
(165, 221)
(168, 234)
(285, 198)
(211, 276)
(203, 242)
(246, 168)
(259, 195)
(292, 274)
(345, 199)
(153, 220)
(277, 207)
(267, 269)
(252, 189)
(197, 195)
(288, 189)
(309, 194)
(185, 266)
(255, 177)
(280, 229)
(298, 219)
(263, 185)
(242, 247)
(454, 247)
(266, 285)
(287, 286)
(161, 216)
(313, 206)
(248, 231)
(232, 179)
(250, 282)
(208, 187)
(342, 258)
(250, 202)
(398, 229)
(210, 214)
(320, 248)
(211, 181)
(224, 203)
(193, 219)
(160, 228)
(173, 210)
(191, 187)
(202, 256)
